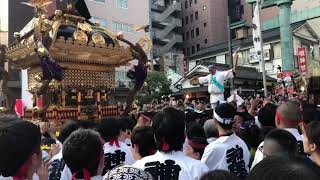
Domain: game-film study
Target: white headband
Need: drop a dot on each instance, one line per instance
(222, 120)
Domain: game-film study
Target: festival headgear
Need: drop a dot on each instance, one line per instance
(223, 120)
(211, 66)
(127, 172)
(287, 122)
(114, 141)
(165, 145)
(196, 145)
(247, 124)
(224, 113)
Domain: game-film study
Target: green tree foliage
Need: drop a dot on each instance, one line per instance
(157, 85)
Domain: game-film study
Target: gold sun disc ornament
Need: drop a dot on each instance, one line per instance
(98, 39)
(80, 36)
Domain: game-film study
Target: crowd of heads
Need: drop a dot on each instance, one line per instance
(286, 134)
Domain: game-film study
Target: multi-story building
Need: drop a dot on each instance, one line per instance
(204, 24)
(167, 33)
(205, 21)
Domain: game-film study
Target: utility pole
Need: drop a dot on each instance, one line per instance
(230, 40)
(150, 33)
(258, 43)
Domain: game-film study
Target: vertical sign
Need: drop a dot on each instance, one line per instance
(302, 60)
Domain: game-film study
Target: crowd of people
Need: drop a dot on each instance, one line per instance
(260, 139)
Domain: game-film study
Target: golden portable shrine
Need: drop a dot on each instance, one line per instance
(86, 54)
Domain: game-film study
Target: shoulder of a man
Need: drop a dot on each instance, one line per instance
(258, 156)
(141, 163)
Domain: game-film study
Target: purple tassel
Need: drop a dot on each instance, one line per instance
(50, 69)
(140, 74)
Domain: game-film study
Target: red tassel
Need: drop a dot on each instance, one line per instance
(114, 141)
(86, 174)
(165, 146)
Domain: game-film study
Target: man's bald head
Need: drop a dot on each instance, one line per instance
(288, 115)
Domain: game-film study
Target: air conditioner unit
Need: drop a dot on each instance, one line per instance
(242, 33)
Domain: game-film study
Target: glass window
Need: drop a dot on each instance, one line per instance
(197, 15)
(206, 41)
(191, 18)
(197, 32)
(198, 47)
(121, 77)
(114, 26)
(192, 33)
(187, 35)
(205, 24)
(100, 1)
(186, 4)
(117, 26)
(188, 51)
(122, 4)
(187, 19)
(195, 1)
(193, 50)
(276, 51)
(102, 22)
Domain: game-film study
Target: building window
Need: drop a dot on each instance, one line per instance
(197, 32)
(183, 37)
(195, 1)
(198, 47)
(122, 4)
(187, 20)
(100, 1)
(117, 26)
(101, 21)
(186, 4)
(182, 22)
(190, 3)
(192, 34)
(204, 8)
(193, 50)
(197, 15)
(205, 24)
(206, 41)
(191, 18)
(187, 35)
(188, 51)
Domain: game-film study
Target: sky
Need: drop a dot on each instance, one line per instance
(4, 15)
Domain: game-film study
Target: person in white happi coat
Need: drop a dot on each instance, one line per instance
(215, 81)
(83, 154)
(20, 154)
(170, 162)
(229, 152)
(288, 117)
(115, 151)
